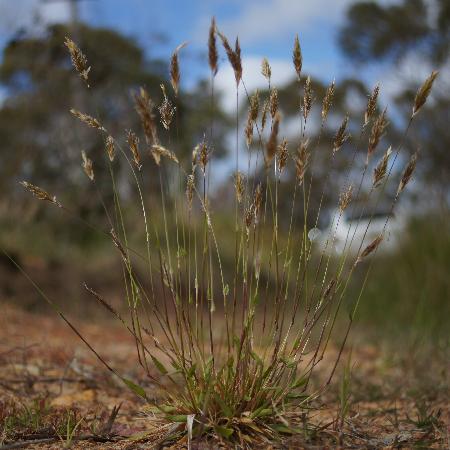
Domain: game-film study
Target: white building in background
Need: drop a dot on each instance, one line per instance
(349, 229)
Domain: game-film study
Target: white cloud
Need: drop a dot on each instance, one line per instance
(282, 73)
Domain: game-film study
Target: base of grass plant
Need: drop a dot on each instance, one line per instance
(278, 305)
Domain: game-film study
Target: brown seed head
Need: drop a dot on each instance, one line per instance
(282, 155)
(341, 135)
(257, 201)
(239, 186)
(407, 174)
(212, 48)
(297, 58)
(371, 104)
(190, 184)
(301, 161)
(87, 165)
(271, 147)
(79, 60)
(328, 101)
(110, 148)
(158, 150)
(307, 98)
(88, 120)
(166, 110)
(380, 171)
(40, 193)
(377, 133)
(248, 217)
(265, 110)
(175, 68)
(345, 198)
(203, 155)
(133, 144)
(252, 116)
(424, 92)
(234, 56)
(266, 70)
(273, 100)
(118, 244)
(144, 107)
(370, 248)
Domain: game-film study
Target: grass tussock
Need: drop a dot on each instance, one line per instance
(235, 351)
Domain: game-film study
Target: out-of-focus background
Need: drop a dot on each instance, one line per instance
(128, 43)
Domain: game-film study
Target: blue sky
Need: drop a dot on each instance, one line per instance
(265, 27)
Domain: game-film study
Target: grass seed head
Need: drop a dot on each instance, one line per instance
(307, 98)
(144, 107)
(345, 198)
(251, 118)
(234, 57)
(341, 135)
(39, 193)
(423, 92)
(271, 147)
(282, 155)
(175, 69)
(190, 185)
(87, 119)
(158, 150)
(212, 48)
(377, 133)
(328, 100)
(297, 57)
(370, 248)
(371, 104)
(239, 186)
(110, 148)
(166, 110)
(265, 110)
(87, 165)
(133, 144)
(203, 155)
(79, 60)
(273, 102)
(301, 161)
(266, 70)
(408, 172)
(380, 170)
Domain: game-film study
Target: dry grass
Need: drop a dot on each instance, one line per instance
(235, 354)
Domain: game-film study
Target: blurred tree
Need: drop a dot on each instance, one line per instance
(412, 32)
(41, 141)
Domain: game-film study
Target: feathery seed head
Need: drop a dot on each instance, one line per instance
(88, 120)
(369, 249)
(345, 198)
(110, 148)
(297, 58)
(39, 193)
(341, 135)
(307, 98)
(271, 147)
(273, 99)
(133, 144)
(282, 155)
(144, 107)
(380, 171)
(408, 172)
(328, 101)
(423, 92)
(301, 161)
(239, 186)
(212, 48)
(87, 165)
(190, 184)
(371, 104)
(377, 133)
(166, 110)
(266, 69)
(79, 60)
(158, 150)
(175, 68)
(234, 57)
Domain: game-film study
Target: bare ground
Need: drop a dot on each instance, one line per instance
(48, 378)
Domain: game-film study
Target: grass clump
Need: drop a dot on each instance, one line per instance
(234, 342)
